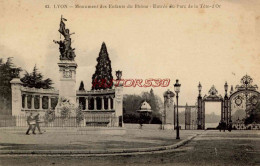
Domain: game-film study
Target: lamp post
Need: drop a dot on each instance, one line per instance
(199, 87)
(199, 108)
(226, 88)
(177, 90)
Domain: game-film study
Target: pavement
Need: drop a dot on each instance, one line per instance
(70, 141)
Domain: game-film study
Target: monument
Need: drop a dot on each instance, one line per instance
(101, 106)
(67, 64)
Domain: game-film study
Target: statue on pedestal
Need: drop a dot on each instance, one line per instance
(66, 51)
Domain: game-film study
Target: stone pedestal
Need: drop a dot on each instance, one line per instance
(67, 74)
(67, 86)
(16, 96)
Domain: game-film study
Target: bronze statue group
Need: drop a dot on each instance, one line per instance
(33, 122)
(66, 51)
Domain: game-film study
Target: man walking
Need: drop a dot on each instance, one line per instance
(37, 119)
(31, 122)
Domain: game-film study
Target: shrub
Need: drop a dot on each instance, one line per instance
(79, 114)
(49, 116)
(65, 107)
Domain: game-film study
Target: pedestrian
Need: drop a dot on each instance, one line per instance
(224, 126)
(31, 122)
(230, 126)
(37, 120)
(220, 126)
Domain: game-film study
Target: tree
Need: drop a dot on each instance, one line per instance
(102, 78)
(7, 73)
(35, 80)
(81, 86)
(254, 114)
(156, 105)
(132, 103)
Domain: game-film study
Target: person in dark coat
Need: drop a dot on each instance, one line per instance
(224, 126)
(37, 119)
(230, 126)
(31, 122)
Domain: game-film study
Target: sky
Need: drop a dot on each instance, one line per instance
(210, 46)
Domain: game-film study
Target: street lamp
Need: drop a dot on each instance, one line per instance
(199, 87)
(199, 107)
(226, 88)
(177, 87)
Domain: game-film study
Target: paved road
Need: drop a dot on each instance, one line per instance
(71, 139)
(210, 148)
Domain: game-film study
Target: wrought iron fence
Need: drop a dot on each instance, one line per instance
(101, 120)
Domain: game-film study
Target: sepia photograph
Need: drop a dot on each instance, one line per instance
(129, 82)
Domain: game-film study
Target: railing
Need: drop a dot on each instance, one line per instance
(7, 121)
(100, 120)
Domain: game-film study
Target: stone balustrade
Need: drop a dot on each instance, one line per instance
(34, 93)
(105, 98)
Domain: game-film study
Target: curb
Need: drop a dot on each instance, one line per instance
(137, 151)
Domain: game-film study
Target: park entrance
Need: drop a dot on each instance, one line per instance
(245, 98)
(211, 97)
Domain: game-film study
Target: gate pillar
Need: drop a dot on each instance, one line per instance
(225, 110)
(118, 100)
(168, 119)
(16, 85)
